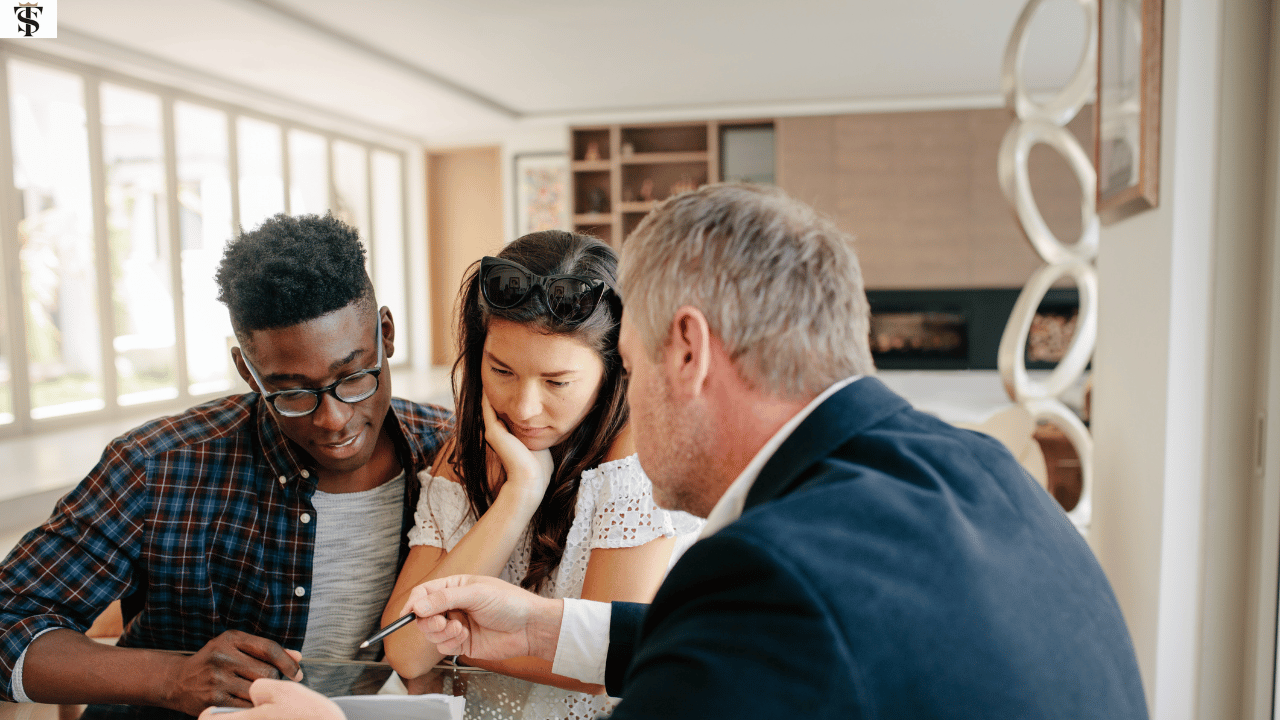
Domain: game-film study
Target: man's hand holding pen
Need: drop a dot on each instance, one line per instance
(486, 618)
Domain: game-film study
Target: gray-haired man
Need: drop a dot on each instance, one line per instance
(860, 558)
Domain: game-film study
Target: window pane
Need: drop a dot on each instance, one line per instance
(59, 282)
(388, 241)
(351, 185)
(137, 231)
(204, 207)
(6, 368)
(308, 174)
(261, 183)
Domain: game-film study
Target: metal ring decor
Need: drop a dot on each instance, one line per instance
(1079, 89)
(1062, 417)
(1044, 123)
(1011, 356)
(1015, 181)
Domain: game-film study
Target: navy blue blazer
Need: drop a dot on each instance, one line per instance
(886, 565)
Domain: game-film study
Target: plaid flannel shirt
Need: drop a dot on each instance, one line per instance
(195, 523)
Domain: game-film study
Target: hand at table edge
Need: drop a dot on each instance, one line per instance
(280, 700)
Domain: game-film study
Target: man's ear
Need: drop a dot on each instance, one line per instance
(388, 331)
(688, 351)
(238, 358)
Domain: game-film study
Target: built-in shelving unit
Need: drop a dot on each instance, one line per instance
(621, 171)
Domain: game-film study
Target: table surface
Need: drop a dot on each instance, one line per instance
(503, 695)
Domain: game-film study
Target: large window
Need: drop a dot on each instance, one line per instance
(351, 186)
(388, 226)
(205, 219)
(308, 173)
(261, 178)
(123, 196)
(141, 269)
(58, 254)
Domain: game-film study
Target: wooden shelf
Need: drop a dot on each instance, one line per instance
(590, 165)
(633, 161)
(662, 158)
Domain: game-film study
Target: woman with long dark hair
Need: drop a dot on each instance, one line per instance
(540, 485)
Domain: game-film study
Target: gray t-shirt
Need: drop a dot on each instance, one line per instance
(354, 571)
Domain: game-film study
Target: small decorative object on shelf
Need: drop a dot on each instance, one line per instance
(628, 149)
(593, 151)
(598, 200)
(646, 190)
(684, 185)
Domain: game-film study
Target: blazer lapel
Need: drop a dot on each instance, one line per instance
(860, 405)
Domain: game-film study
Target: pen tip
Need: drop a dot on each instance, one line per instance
(364, 644)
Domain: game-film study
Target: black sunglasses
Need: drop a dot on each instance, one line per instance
(570, 298)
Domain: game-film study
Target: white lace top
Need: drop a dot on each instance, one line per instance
(615, 509)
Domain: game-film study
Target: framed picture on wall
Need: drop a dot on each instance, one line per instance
(1127, 112)
(541, 192)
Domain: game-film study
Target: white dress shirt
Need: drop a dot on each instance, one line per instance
(583, 645)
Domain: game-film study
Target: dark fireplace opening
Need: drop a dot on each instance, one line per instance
(961, 329)
(927, 336)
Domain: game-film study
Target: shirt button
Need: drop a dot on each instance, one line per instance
(282, 479)
(306, 518)
(299, 591)
(306, 474)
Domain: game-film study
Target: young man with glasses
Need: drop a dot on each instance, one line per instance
(245, 531)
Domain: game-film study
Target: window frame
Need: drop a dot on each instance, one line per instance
(93, 78)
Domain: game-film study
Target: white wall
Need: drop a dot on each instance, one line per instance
(1175, 379)
(1231, 527)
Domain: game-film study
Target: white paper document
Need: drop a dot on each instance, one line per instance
(401, 707)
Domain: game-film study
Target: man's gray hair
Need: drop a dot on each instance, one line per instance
(779, 284)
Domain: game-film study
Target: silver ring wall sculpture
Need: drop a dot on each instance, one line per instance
(1044, 123)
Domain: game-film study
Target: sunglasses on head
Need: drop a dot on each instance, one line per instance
(570, 298)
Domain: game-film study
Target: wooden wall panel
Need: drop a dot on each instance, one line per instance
(919, 191)
(464, 223)
(999, 254)
(806, 163)
(904, 190)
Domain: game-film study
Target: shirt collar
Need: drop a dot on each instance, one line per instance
(285, 460)
(729, 507)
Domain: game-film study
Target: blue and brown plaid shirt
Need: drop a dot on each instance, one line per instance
(195, 522)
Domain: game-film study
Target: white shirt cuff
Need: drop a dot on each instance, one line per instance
(15, 678)
(583, 645)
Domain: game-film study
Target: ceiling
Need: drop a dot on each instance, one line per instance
(436, 69)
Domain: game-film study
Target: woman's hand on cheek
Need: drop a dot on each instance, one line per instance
(528, 471)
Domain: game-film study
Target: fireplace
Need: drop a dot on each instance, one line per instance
(961, 329)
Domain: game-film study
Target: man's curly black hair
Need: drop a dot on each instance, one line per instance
(292, 269)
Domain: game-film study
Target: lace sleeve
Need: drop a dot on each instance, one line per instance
(625, 512)
(442, 516)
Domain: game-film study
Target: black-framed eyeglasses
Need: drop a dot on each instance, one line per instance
(570, 298)
(298, 402)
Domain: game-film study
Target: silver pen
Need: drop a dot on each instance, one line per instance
(388, 630)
